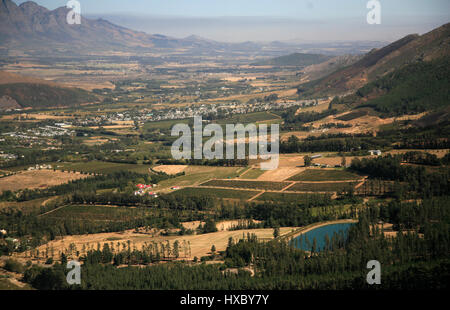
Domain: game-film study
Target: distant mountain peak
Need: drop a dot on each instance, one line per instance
(31, 8)
(194, 37)
(31, 4)
(33, 27)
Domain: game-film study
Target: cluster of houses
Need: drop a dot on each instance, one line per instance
(51, 131)
(5, 156)
(46, 131)
(145, 115)
(142, 190)
(40, 167)
(224, 108)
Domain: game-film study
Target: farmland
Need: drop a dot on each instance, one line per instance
(37, 179)
(24, 206)
(279, 174)
(215, 192)
(98, 213)
(252, 174)
(325, 175)
(322, 187)
(195, 175)
(170, 169)
(291, 197)
(247, 184)
(102, 167)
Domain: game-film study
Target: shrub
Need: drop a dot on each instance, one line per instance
(14, 266)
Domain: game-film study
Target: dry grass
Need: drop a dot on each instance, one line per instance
(226, 225)
(95, 141)
(37, 179)
(171, 169)
(280, 174)
(37, 116)
(438, 153)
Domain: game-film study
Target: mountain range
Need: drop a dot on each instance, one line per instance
(35, 30)
(30, 25)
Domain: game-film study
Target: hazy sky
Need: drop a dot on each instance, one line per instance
(264, 20)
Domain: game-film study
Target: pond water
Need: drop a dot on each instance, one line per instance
(305, 241)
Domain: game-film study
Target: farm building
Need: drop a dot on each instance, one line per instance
(316, 156)
(375, 152)
(40, 167)
(142, 186)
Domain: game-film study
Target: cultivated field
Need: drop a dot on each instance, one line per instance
(325, 175)
(195, 175)
(322, 187)
(98, 213)
(247, 184)
(95, 141)
(252, 174)
(24, 206)
(215, 192)
(103, 167)
(290, 197)
(37, 179)
(170, 169)
(280, 174)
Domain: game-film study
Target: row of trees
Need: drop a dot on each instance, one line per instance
(331, 144)
(293, 121)
(206, 162)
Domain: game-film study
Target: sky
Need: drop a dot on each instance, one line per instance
(268, 20)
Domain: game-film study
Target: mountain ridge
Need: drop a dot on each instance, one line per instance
(38, 31)
(380, 62)
(18, 91)
(30, 21)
